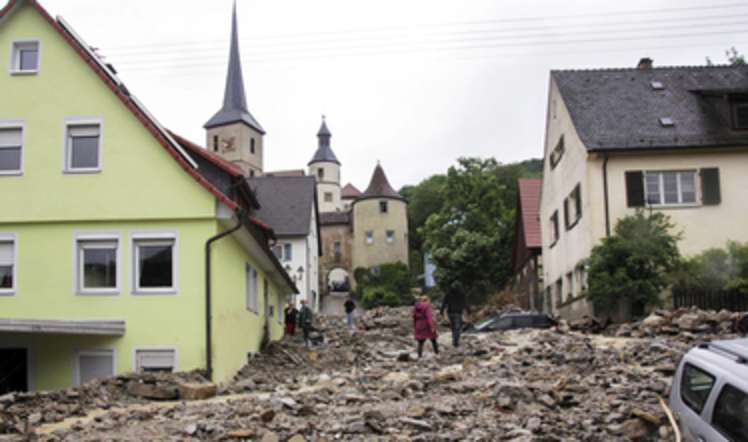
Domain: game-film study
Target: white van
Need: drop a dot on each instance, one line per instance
(709, 396)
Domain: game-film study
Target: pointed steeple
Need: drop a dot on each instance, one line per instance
(234, 108)
(324, 151)
(379, 186)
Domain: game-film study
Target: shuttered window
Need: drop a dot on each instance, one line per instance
(83, 148)
(150, 361)
(94, 364)
(635, 188)
(710, 187)
(7, 265)
(11, 144)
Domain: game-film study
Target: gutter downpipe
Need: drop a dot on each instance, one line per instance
(208, 301)
(605, 194)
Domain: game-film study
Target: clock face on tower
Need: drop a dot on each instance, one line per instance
(228, 144)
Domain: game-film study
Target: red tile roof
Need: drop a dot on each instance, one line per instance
(350, 191)
(219, 162)
(529, 198)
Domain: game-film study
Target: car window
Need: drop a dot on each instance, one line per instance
(485, 323)
(540, 321)
(695, 387)
(731, 414)
(504, 323)
(523, 321)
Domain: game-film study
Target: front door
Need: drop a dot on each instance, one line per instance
(13, 370)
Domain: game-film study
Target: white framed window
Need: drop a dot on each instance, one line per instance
(8, 264)
(671, 188)
(154, 262)
(390, 236)
(93, 364)
(287, 251)
(250, 289)
(25, 57)
(155, 360)
(97, 263)
(369, 237)
(11, 148)
(82, 146)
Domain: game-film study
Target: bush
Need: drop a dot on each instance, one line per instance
(715, 269)
(387, 284)
(634, 263)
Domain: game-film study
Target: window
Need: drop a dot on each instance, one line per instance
(740, 115)
(96, 264)
(573, 207)
(670, 187)
(154, 265)
(557, 153)
(83, 147)
(390, 236)
(251, 173)
(7, 265)
(569, 286)
(337, 250)
(11, 145)
(251, 288)
(93, 364)
(251, 145)
(287, 252)
(695, 387)
(155, 360)
(383, 207)
(731, 414)
(215, 143)
(328, 196)
(320, 173)
(369, 237)
(278, 252)
(554, 228)
(580, 279)
(559, 291)
(25, 57)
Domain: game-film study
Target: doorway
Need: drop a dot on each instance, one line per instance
(14, 370)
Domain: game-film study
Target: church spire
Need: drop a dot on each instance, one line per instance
(234, 99)
(324, 152)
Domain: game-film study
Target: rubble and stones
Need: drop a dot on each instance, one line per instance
(548, 385)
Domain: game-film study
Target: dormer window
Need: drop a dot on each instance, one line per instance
(740, 115)
(25, 57)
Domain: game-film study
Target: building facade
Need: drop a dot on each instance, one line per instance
(527, 282)
(671, 139)
(104, 226)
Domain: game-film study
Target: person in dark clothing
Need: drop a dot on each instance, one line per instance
(290, 314)
(454, 305)
(306, 318)
(350, 306)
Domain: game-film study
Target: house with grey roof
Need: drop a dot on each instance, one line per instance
(669, 139)
(289, 205)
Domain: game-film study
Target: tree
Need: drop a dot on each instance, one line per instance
(633, 264)
(387, 284)
(715, 269)
(470, 235)
(423, 200)
(734, 58)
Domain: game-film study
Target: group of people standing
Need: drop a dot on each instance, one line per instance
(425, 325)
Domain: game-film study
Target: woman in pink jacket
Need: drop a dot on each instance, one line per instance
(423, 322)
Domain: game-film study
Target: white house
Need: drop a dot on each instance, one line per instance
(671, 139)
(289, 205)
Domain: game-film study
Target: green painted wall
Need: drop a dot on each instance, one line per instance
(140, 188)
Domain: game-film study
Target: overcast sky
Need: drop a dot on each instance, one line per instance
(413, 83)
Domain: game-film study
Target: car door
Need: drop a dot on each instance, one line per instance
(695, 400)
(730, 413)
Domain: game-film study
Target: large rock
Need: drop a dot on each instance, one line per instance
(396, 377)
(689, 322)
(153, 391)
(450, 373)
(191, 392)
(653, 321)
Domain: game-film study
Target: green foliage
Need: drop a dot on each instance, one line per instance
(734, 58)
(634, 263)
(470, 234)
(387, 284)
(715, 269)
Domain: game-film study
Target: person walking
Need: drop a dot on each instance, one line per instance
(424, 325)
(306, 317)
(350, 306)
(454, 305)
(290, 314)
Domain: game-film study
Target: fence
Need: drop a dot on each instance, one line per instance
(710, 299)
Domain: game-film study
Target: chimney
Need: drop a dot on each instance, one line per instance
(644, 64)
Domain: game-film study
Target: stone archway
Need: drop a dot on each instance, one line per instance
(339, 280)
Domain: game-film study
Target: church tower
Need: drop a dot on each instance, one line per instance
(325, 167)
(233, 132)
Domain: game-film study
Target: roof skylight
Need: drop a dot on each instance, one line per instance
(666, 122)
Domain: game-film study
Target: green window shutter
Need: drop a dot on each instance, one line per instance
(635, 188)
(566, 213)
(710, 190)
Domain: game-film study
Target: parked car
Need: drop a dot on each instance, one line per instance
(512, 321)
(709, 396)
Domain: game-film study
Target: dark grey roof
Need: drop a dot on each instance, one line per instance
(234, 108)
(324, 152)
(333, 218)
(621, 108)
(286, 203)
